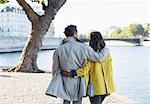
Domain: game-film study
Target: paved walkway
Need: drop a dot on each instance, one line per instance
(29, 88)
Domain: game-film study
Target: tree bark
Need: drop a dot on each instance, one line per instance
(40, 25)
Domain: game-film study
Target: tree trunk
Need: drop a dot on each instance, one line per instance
(28, 59)
(40, 25)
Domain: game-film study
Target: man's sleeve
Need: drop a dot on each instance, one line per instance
(55, 65)
(97, 57)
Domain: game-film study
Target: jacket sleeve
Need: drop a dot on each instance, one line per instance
(84, 70)
(55, 65)
(97, 57)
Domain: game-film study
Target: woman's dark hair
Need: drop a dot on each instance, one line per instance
(96, 41)
(70, 30)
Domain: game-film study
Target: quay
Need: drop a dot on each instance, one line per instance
(13, 44)
(16, 44)
(29, 88)
(133, 41)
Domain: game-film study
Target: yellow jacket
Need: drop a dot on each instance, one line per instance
(100, 74)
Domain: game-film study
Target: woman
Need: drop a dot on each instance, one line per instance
(100, 73)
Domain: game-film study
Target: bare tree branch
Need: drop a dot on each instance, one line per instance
(49, 2)
(53, 7)
(57, 4)
(32, 16)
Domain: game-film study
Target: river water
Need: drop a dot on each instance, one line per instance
(131, 69)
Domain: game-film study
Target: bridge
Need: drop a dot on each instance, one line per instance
(137, 41)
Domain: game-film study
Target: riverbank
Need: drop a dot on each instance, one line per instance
(123, 43)
(146, 43)
(29, 88)
(16, 44)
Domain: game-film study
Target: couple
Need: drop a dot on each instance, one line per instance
(74, 62)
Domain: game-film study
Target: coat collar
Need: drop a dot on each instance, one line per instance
(69, 39)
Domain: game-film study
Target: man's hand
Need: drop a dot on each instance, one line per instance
(66, 73)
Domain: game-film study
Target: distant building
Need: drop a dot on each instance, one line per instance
(14, 22)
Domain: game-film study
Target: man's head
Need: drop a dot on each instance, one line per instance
(71, 30)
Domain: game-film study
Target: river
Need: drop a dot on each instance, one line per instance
(131, 69)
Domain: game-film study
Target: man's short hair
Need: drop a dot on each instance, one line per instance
(70, 30)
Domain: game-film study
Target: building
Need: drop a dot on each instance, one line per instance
(15, 28)
(14, 22)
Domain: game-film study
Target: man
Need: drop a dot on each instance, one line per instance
(71, 55)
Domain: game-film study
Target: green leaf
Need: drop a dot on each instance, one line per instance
(3, 1)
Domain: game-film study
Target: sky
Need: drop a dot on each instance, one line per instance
(101, 14)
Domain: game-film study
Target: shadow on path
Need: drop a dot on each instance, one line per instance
(5, 76)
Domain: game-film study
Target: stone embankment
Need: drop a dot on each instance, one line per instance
(15, 44)
(29, 88)
(123, 43)
(146, 43)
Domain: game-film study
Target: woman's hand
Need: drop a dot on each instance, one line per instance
(66, 73)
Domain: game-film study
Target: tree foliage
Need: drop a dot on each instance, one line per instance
(3, 1)
(138, 29)
(127, 32)
(147, 30)
(132, 30)
(116, 33)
